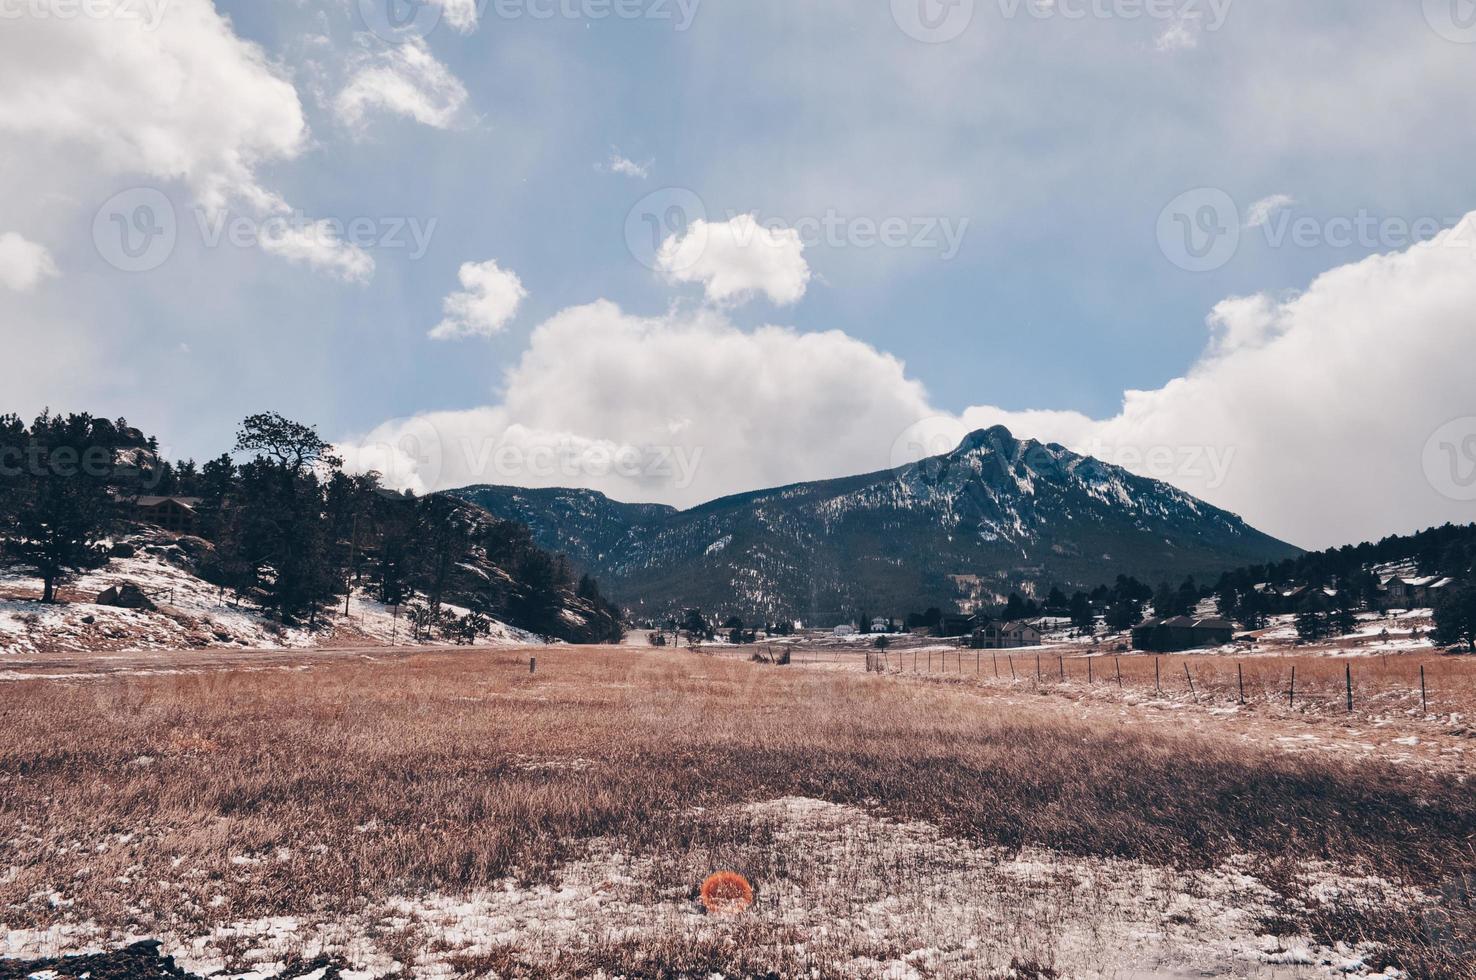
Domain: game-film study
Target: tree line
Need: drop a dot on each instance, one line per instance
(287, 529)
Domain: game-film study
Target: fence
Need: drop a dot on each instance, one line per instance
(1347, 685)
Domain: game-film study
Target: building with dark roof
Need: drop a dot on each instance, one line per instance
(1166, 635)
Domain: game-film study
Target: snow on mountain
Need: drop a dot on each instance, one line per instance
(1019, 514)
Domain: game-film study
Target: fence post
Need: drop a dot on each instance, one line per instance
(1119, 672)
(1291, 694)
(1157, 687)
(1037, 669)
(977, 655)
(1011, 659)
(532, 665)
(1348, 674)
(1062, 660)
(1424, 704)
(1089, 671)
(994, 655)
(1240, 680)
(1190, 678)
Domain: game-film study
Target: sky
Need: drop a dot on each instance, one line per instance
(673, 249)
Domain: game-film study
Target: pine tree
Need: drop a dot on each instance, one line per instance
(62, 498)
(1455, 616)
(1083, 617)
(1312, 618)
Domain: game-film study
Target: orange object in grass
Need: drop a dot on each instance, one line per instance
(726, 892)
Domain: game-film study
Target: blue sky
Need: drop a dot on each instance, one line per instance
(1052, 141)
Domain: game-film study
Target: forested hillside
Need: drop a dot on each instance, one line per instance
(279, 526)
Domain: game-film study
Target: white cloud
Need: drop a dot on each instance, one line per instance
(488, 300)
(460, 14)
(172, 96)
(401, 79)
(1326, 399)
(679, 408)
(737, 259)
(619, 164)
(1181, 35)
(1261, 211)
(1308, 415)
(316, 244)
(187, 99)
(23, 263)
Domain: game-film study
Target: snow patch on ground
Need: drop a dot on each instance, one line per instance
(190, 613)
(837, 890)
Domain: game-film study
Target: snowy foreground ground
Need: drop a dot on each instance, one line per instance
(852, 881)
(452, 813)
(190, 613)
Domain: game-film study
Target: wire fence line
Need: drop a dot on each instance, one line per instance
(1445, 683)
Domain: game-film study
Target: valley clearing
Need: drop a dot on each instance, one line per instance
(439, 813)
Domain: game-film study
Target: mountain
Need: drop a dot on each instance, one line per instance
(997, 514)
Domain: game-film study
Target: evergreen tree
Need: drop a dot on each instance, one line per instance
(1455, 616)
(60, 502)
(1124, 614)
(1083, 617)
(1312, 617)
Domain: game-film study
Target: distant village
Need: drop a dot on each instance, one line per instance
(1189, 621)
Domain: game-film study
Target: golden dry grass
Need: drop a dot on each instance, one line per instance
(1381, 683)
(292, 791)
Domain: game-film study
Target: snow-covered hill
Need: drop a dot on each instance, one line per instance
(188, 611)
(1018, 514)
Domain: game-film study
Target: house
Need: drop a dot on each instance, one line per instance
(177, 514)
(997, 635)
(881, 624)
(955, 624)
(1162, 635)
(1412, 592)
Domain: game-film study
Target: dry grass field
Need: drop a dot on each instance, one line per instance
(448, 813)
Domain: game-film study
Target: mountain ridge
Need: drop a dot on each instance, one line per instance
(1003, 514)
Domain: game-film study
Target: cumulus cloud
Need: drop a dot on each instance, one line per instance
(487, 301)
(1261, 211)
(1311, 415)
(460, 14)
(737, 259)
(23, 263)
(153, 99)
(1327, 401)
(169, 92)
(401, 79)
(678, 408)
(619, 164)
(317, 245)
